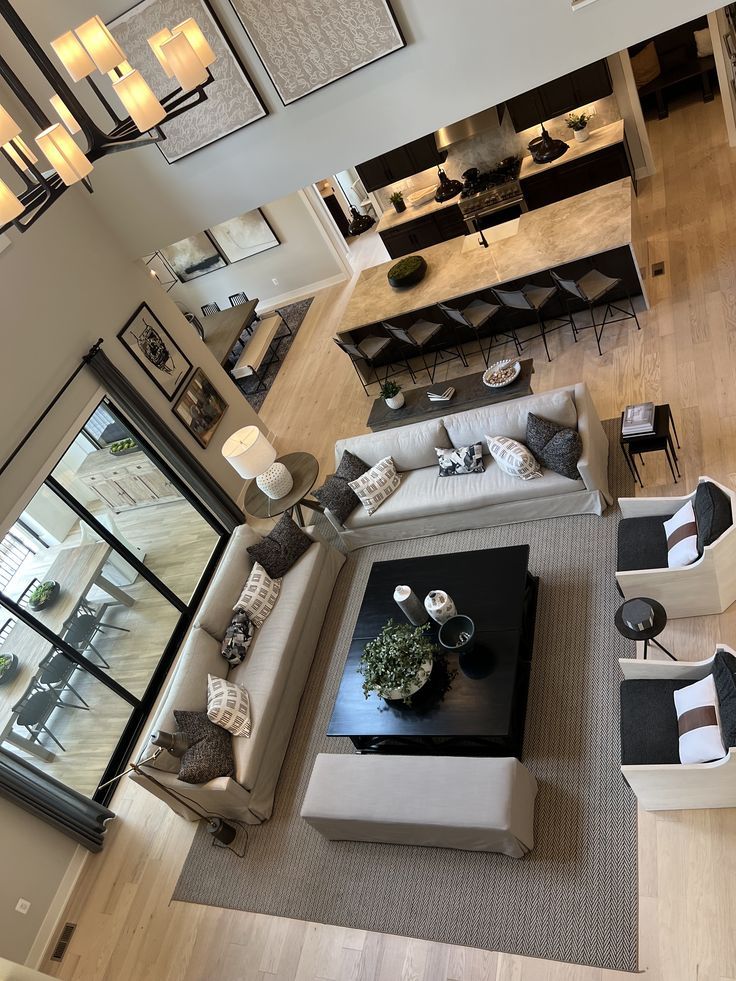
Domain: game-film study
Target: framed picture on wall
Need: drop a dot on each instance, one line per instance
(155, 350)
(246, 235)
(194, 257)
(232, 100)
(200, 407)
(305, 46)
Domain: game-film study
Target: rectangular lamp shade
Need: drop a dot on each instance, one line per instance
(70, 52)
(248, 452)
(9, 129)
(140, 103)
(12, 149)
(155, 42)
(101, 46)
(183, 61)
(64, 115)
(191, 30)
(10, 205)
(63, 154)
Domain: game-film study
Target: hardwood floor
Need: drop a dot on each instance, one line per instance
(686, 355)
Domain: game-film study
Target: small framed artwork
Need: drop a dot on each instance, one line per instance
(155, 350)
(193, 257)
(246, 235)
(200, 407)
(305, 45)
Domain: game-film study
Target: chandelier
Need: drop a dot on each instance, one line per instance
(183, 53)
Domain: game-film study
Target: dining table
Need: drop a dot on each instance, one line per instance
(222, 330)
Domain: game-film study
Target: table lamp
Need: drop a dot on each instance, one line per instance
(251, 455)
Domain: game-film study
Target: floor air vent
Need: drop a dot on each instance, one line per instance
(658, 269)
(64, 940)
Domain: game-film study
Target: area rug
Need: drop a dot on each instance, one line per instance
(574, 897)
(294, 315)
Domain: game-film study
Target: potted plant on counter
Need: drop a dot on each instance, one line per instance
(398, 662)
(392, 395)
(578, 123)
(397, 200)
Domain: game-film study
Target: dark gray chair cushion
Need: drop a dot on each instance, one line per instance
(642, 544)
(281, 548)
(211, 755)
(557, 447)
(335, 493)
(649, 732)
(712, 513)
(724, 678)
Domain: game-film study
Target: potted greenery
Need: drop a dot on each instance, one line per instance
(407, 271)
(8, 668)
(578, 123)
(397, 200)
(398, 662)
(392, 395)
(43, 595)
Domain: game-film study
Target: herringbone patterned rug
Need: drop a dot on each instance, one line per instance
(574, 897)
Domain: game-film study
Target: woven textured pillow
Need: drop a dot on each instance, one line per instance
(259, 595)
(698, 723)
(682, 537)
(336, 492)
(238, 638)
(703, 42)
(228, 706)
(724, 678)
(376, 485)
(211, 755)
(712, 513)
(513, 457)
(281, 548)
(557, 447)
(464, 459)
(645, 65)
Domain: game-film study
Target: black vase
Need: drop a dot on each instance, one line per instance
(400, 206)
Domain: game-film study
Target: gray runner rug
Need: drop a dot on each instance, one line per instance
(574, 898)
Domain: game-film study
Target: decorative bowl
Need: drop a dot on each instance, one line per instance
(407, 271)
(502, 373)
(396, 694)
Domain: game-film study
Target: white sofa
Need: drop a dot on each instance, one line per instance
(274, 672)
(426, 504)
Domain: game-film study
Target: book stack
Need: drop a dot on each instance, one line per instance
(638, 420)
(444, 397)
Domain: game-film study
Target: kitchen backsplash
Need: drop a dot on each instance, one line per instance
(486, 149)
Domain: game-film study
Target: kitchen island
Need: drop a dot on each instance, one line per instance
(599, 227)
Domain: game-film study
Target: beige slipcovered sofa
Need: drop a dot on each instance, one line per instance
(274, 672)
(427, 504)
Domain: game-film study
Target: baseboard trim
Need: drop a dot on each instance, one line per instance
(303, 293)
(51, 922)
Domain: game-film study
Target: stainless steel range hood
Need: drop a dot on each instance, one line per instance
(465, 128)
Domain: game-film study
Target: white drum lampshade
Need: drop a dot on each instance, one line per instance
(250, 454)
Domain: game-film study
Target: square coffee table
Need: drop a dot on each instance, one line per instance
(481, 711)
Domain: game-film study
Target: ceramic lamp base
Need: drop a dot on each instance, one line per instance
(275, 482)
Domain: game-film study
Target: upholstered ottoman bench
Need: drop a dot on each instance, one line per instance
(474, 803)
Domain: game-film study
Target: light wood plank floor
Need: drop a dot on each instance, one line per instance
(686, 355)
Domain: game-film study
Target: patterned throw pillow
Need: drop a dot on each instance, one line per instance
(238, 638)
(336, 492)
(228, 706)
(464, 459)
(259, 595)
(557, 447)
(513, 457)
(697, 722)
(282, 546)
(376, 485)
(211, 754)
(682, 537)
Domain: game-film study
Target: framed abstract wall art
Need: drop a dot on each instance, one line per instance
(200, 407)
(193, 257)
(246, 235)
(155, 350)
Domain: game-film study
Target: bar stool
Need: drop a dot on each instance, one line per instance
(475, 316)
(209, 308)
(533, 297)
(418, 336)
(368, 350)
(591, 288)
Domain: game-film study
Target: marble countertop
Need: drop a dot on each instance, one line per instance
(391, 218)
(599, 139)
(576, 228)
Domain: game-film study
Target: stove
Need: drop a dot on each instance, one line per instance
(493, 196)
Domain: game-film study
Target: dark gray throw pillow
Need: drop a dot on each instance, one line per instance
(280, 549)
(557, 447)
(712, 513)
(238, 638)
(724, 678)
(336, 493)
(211, 756)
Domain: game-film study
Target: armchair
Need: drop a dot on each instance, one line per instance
(706, 586)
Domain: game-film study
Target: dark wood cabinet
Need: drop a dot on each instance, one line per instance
(421, 233)
(609, 164)
(561, 95)
(412, 158)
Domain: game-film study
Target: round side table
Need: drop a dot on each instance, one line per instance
(304, 471)
(650, 633)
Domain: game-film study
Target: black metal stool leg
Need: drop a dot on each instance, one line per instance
(542, 331)
(674, 430)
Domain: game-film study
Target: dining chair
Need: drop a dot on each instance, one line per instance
(194, 321)
(33, 709)
(55, 672)
(209, 308)
(418, 336)
(237, 299)
(533, 297)
(592, 288)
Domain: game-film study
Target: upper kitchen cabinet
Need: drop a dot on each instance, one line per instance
(402, 162)
(560, 96)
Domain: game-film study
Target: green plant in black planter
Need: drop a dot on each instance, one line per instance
(43, 594)
(397, 200)
(8, 665)
(398, 662)
(407, 271)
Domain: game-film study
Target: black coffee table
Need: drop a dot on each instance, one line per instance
(482, 711)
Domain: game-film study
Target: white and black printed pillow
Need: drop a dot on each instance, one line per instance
(513, 457)
(238, 638)
(228, 706)
(463, 459)
(377, 484)
(259, 595)
(682, 537)
(698, 723)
